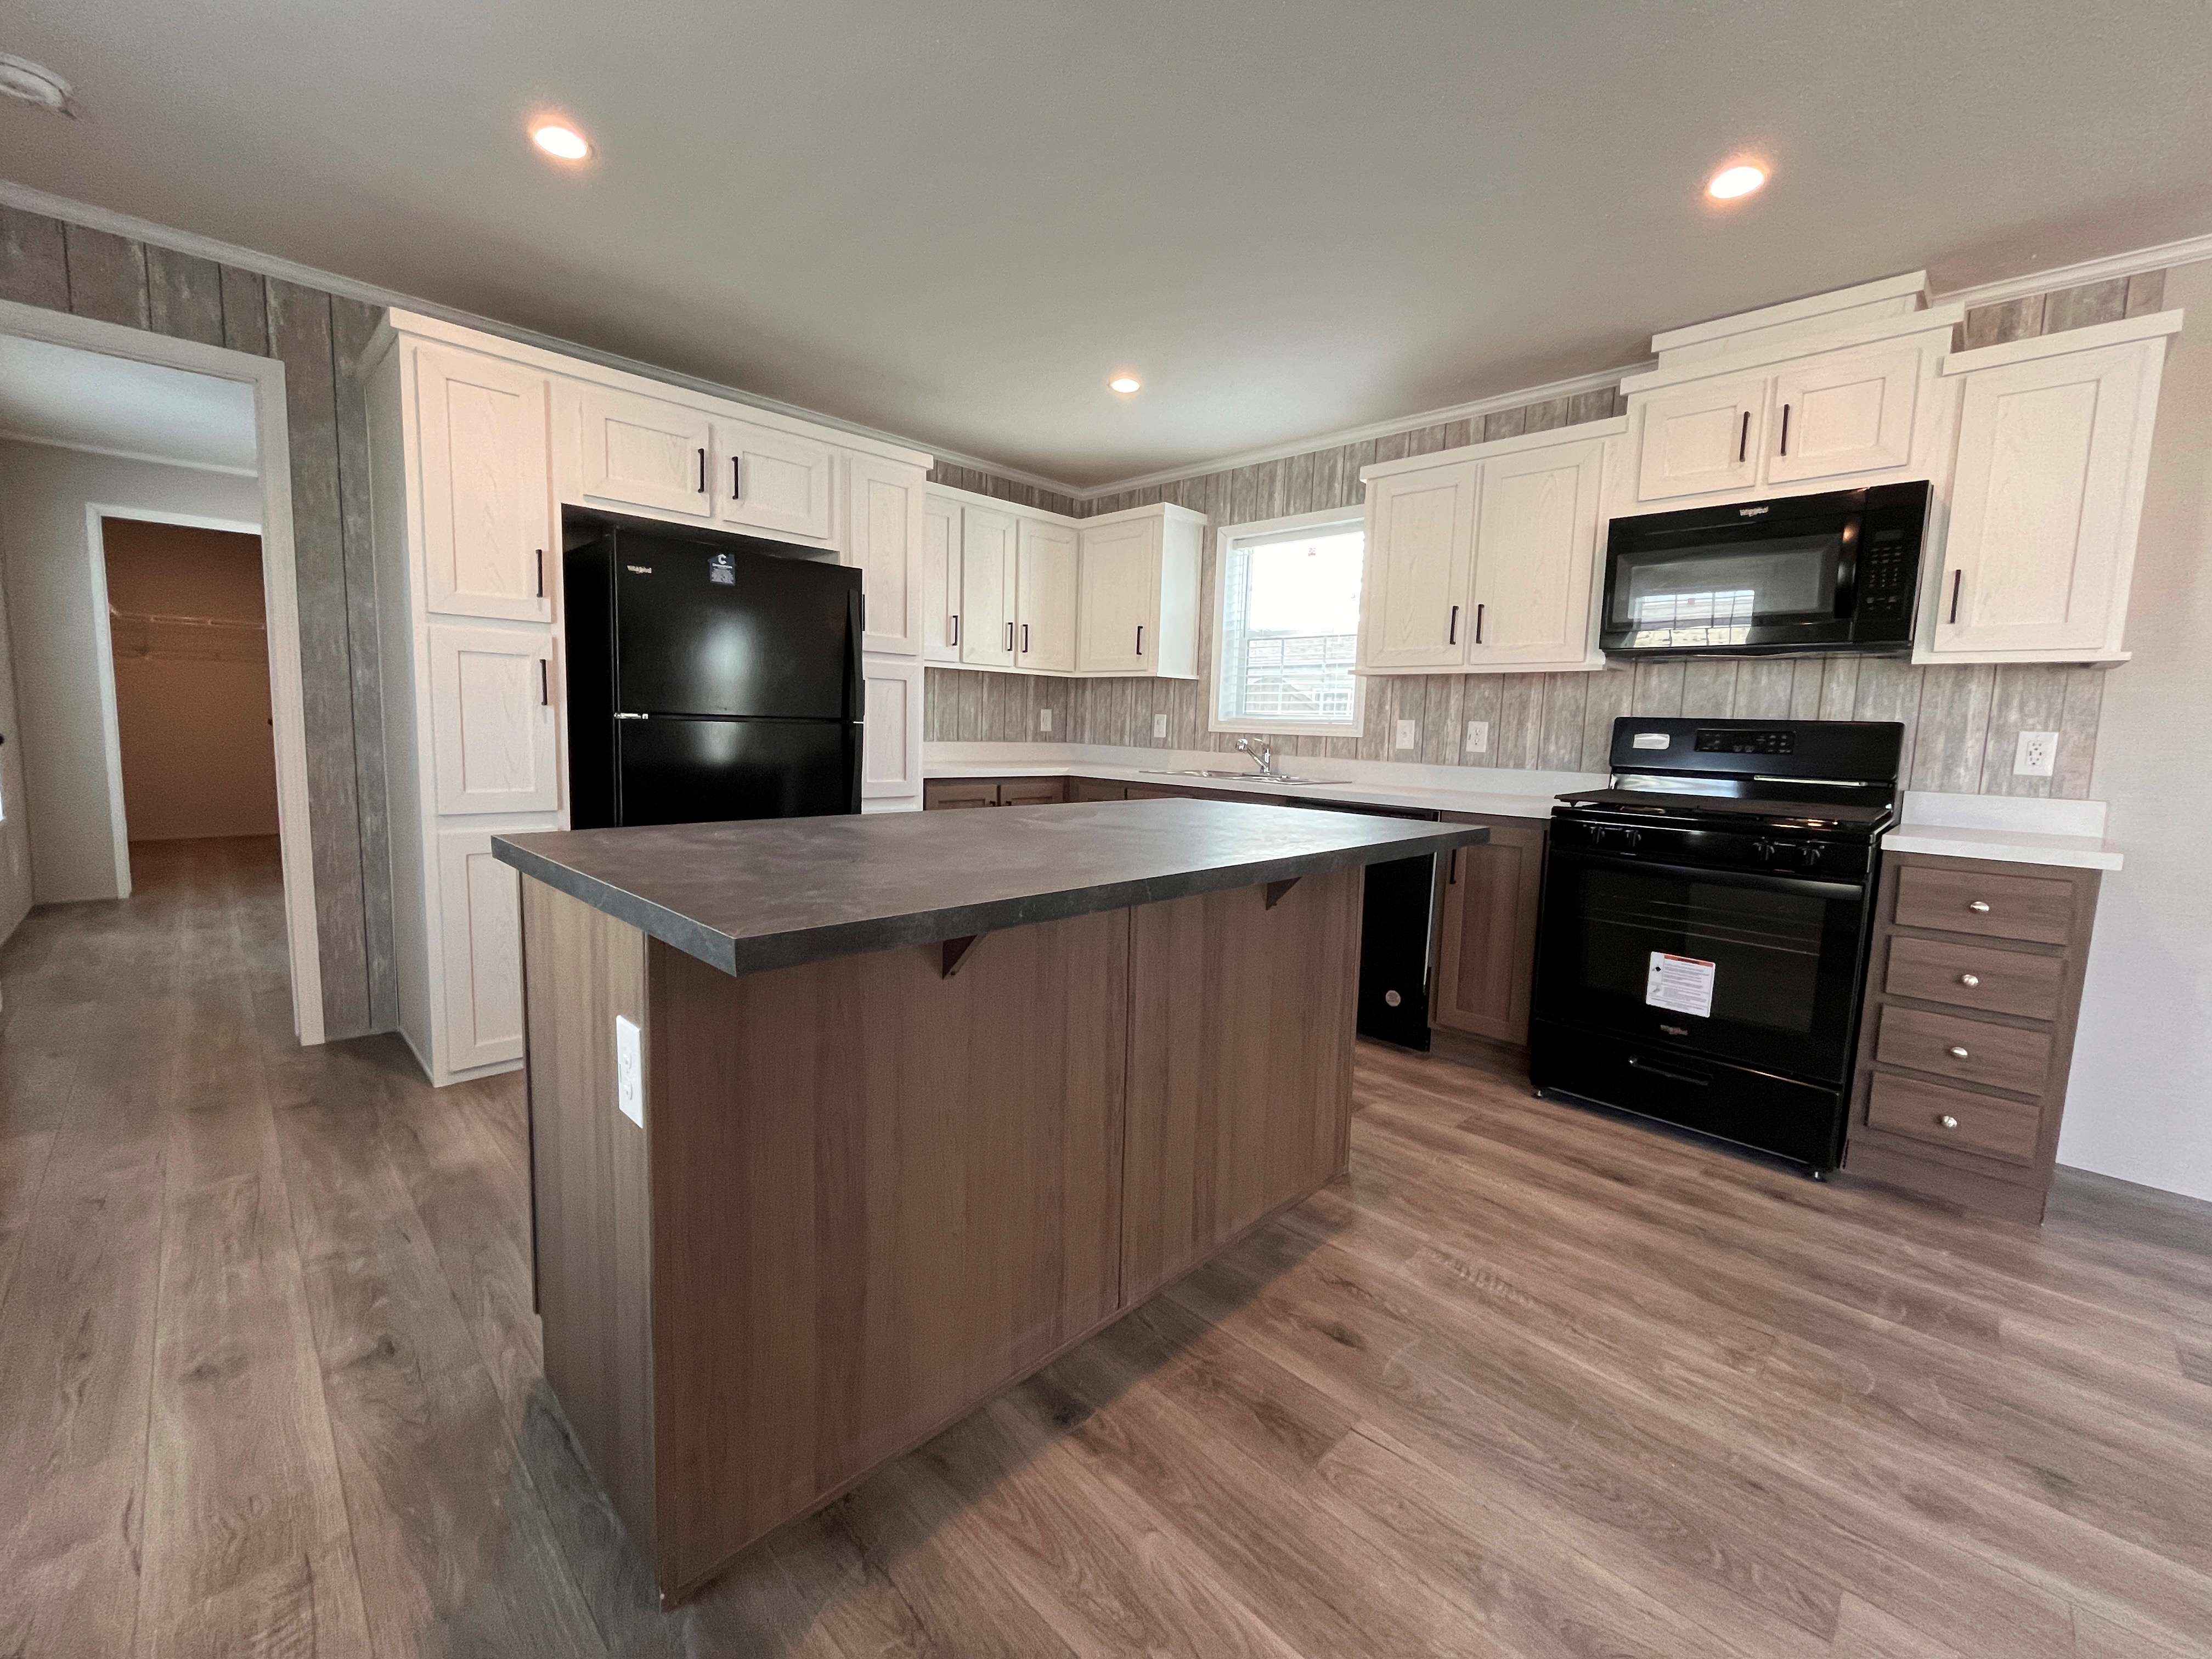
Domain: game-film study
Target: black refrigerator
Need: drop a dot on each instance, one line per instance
(711, 676)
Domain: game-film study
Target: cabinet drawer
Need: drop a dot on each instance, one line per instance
(935, 796)
(2002, 981)
(1092, 789)
(1972, 1050)
(1952, 1117)
(1033, 791)
(2037, 909)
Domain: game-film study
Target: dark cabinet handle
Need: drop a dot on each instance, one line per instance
(544, 683)
(1479, 609)
(1451, 634)
(541, 573)
(1743, 443)
(1452, 878)
(737, 478)
(1025, 639)
(955, 640)
(1140, 639)
(1010, 636)
(1957, 578)
(1785, 429)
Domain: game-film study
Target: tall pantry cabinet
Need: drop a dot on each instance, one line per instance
(475, 445)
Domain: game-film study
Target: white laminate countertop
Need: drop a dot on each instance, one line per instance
(2008, 829)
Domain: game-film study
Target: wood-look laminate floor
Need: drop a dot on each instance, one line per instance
(1532, 1382)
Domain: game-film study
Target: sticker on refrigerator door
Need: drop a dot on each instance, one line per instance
(722, 571)
(1681, 983)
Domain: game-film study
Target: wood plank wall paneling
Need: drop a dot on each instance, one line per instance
(1961, 724)
(69, 267)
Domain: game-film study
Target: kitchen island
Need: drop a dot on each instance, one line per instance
(840, 1126)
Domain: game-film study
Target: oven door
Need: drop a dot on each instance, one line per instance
(1682, 582)
(1759, 970)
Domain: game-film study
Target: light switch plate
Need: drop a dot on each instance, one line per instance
(1044, 720)
(1159, 726)
(1409, 734)
(1478, 737)
(2036, 755)
(629, 1072)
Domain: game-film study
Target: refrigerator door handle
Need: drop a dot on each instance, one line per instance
(621, 715)
(856, 707)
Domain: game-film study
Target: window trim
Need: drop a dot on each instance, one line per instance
(1223, 537)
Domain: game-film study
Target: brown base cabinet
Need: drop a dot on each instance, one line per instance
(1973, 986)
(947, 794)
(1485, 954)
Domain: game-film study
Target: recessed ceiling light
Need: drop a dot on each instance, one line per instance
(1125, 383)
(34, 83)
(1731, 182)
(563, 143)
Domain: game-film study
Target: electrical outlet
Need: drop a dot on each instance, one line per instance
(1044, 720)
(629, 1072)
(2037, 754)
(1478, 737)
(1159, 726)
(1409, 734)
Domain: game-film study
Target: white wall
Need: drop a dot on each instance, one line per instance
(2140, 1102)
(61, 672)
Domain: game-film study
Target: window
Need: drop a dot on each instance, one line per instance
(1287, 628)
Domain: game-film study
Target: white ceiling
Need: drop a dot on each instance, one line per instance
(85, 400)
(1288, 217)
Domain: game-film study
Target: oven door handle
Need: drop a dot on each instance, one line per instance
(1669, 1072)
(1736, 877)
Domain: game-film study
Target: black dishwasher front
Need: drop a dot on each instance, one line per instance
(1394, 936)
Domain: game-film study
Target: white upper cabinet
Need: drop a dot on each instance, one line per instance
(885, 535)
(938, 581)
(493, 743)
(1844, 412)
(1535, 557)
(1044, 630)
(1120, 585)
(2054, 446)
(775, 482)
(1415, 595)
(891, 745)
(1703, 437)
(639, 452)
(486, 500)
(986, 587)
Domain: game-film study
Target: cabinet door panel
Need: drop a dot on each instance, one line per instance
(938, 581)
(1704, 437)
(1844, 412)
(487, 506)
(885, 545)
(890, 746)
(1117, 620)
(1044, 590)
(1486, 938)
(1535, 552)
(491, 719)
(987, 586)
(1420, 555)
(640, 451)
(480, 939)
(2043, 504)
(771, 480)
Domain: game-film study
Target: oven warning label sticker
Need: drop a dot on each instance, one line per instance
(1681, 983)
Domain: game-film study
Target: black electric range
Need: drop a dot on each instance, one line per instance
(1705, 928)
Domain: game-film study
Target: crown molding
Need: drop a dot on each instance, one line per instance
(28, 200)
(2186, 252)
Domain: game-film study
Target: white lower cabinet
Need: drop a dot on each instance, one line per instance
(493, 738)
(890, 748)
(2054, 447)
(480, 941)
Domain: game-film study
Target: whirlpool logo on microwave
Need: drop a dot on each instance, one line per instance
(1751, 512)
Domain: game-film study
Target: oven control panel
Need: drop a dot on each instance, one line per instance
(1769, 740)
(1764, 850)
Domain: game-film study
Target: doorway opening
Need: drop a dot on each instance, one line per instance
(150, 657)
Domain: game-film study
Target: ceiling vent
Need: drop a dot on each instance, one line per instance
(34, 83)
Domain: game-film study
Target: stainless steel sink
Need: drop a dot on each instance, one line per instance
(1247, 775)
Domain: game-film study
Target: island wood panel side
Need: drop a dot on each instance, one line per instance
(880, 1195)
(1240, 1039)
(591, 1202)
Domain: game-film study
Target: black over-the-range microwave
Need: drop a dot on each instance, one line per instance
(1834, 572)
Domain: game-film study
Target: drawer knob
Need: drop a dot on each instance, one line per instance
(1979, 907)
(1957, 1053)
(1947, 1120)
(1970, 981)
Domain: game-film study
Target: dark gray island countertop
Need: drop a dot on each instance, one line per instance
(775, 892)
